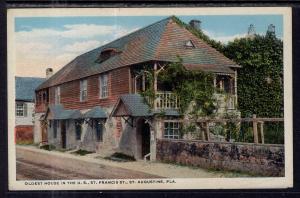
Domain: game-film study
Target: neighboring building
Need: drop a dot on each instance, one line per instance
(93, 102)
(25, 94)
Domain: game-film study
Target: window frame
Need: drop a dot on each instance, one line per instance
(83, 90)
(102, 85)
(171, 127)
(22, 110)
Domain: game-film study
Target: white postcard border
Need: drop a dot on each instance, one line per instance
(190, 183)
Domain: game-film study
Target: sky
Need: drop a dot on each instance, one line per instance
(43, 42)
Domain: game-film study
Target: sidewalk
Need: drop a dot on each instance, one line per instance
(153, 168)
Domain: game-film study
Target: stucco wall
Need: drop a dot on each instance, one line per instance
(267, 160)
(37, 134)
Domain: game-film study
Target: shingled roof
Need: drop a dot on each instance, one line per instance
(162, 41)
(25, 87)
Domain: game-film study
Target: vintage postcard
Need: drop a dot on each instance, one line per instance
(150, 98)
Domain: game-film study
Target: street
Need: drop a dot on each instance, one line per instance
(46, 166)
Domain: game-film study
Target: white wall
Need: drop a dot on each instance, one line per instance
(29, 118)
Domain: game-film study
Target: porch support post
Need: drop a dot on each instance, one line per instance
(235, 87)
(215, 81)
(155, 83)
(144, 82)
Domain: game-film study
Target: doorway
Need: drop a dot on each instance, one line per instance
(145, 133)
(63, 133)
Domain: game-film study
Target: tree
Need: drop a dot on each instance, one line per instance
(260, 83)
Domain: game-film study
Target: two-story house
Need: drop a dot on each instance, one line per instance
(94, 103)
(25, 94)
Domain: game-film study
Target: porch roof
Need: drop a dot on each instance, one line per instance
(96, 112)
(59, 113)
(134, 105)
(131, 105)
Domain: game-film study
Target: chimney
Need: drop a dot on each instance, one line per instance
(49, 73)
(251, 31)
(271, 29)
(195, 24)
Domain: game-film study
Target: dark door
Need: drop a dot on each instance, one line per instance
(145, 129)
(63, 134)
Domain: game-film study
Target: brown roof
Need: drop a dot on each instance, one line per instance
(162, 41)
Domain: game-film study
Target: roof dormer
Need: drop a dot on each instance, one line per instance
(107, 53)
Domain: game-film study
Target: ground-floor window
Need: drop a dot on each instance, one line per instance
(172, 130)
(78, 129)
(99, 131)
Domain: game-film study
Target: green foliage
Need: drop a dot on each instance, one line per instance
(48, 147)
(192, 87)
(120, 157)
(260, 87)
(81, 152)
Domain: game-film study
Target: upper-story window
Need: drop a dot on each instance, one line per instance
(189, 44)
(57, 95)
(103, 79)
(83, 90)
(21, 109)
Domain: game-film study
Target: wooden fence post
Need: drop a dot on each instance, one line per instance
(207, 130)
(262, 132)
(202, 132)
(255, 130)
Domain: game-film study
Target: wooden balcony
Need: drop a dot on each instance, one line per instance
(166, 100)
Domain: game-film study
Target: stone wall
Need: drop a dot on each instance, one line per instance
(258, 159)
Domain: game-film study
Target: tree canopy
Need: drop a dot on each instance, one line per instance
(260, 80)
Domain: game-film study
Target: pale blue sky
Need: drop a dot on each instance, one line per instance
(54, 41)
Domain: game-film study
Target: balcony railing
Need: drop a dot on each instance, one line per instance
(169, 100)
(166, 100)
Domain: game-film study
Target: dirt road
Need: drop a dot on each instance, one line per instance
(44, 166)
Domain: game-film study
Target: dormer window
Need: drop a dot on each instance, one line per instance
(189, 44)
(107, 53)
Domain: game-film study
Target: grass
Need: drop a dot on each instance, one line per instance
(82, 152)
(120, 157)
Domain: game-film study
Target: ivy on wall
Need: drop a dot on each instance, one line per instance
(260, 80)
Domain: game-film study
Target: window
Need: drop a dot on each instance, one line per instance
(55, 128)
(57, 95)
(103, 86)
(78, 130)
(83, 90)
(21, 109)
(172, 130)
(99, 131)
(189, 44)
